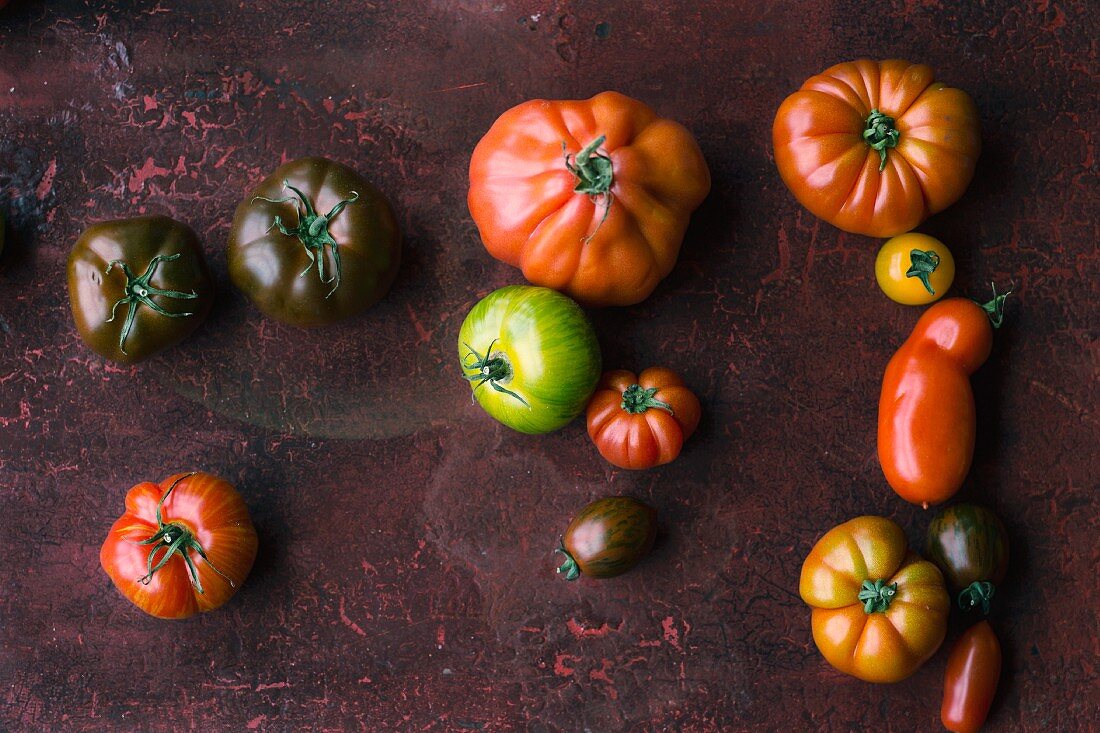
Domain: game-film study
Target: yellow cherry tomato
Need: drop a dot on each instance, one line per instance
(914, 269)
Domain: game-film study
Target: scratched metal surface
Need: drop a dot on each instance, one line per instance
(405, 580)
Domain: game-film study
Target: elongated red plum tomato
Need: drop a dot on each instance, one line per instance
(183, 546)
(970, 545)
(137, 286)
(591, 197)
(642, 421)
(970, 682)
(607, 538)
(926, 414)
(531, 357)
(314, 243)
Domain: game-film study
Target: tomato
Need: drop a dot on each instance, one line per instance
(970, 545)
(879, 610)
(314, 243)
(589, 197)
(202, 525)
(926, 415)
(137, 286)
(876, 147)
(607, 538)
(642, 421)
(973, 671)
(531, 357)
(914, 269)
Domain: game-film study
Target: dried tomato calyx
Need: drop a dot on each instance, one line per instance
(879, 133)
(312, 232)
(176, 539)
(876, 595)
(978, 593)
(489, 369)
(922, 264)
(569, 566)
(638, 399)
(138, 291)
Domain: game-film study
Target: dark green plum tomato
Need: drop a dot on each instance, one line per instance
(607, 538)
(970, 545)
(531, 357)
(137, 286)
(314, 243)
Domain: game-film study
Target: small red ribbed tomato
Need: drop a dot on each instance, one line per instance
(642, 421)
(183, 546)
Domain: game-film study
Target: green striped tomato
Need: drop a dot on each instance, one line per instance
(607, 538)
(531, 357)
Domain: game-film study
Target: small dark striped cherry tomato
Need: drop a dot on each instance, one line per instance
(970, 545)
(607, 538)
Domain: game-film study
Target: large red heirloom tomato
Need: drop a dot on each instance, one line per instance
(183, 546)
(876, 147)
(588, 197)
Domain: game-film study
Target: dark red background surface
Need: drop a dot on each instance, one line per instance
(405, 579)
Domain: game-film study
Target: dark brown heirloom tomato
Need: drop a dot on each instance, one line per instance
(607, 538)
(137, 286)
(314, 244)
(970, 545)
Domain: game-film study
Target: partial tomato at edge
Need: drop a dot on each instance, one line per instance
(182, 546)
(641, 421)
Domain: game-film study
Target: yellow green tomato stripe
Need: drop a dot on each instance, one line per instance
(545, 348)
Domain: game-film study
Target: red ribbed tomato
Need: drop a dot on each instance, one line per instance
(590, 197)
(642, 421)
(876, 147)
(183, 546)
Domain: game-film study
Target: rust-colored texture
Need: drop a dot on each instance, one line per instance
(406, 579)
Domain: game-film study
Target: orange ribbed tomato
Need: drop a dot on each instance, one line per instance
(879, 610)
(183, 546)
(588, 197)
(876, 147)
(642, 421)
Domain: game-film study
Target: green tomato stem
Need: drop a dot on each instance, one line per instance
(176, 539)
(880, 134)
(995, 308)
(876, 596)
(312, 231)
(922, 264)
(138, 291)
(978, 593)
(491, 370)
(594, 173)
(569, 566)
(637, 399)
